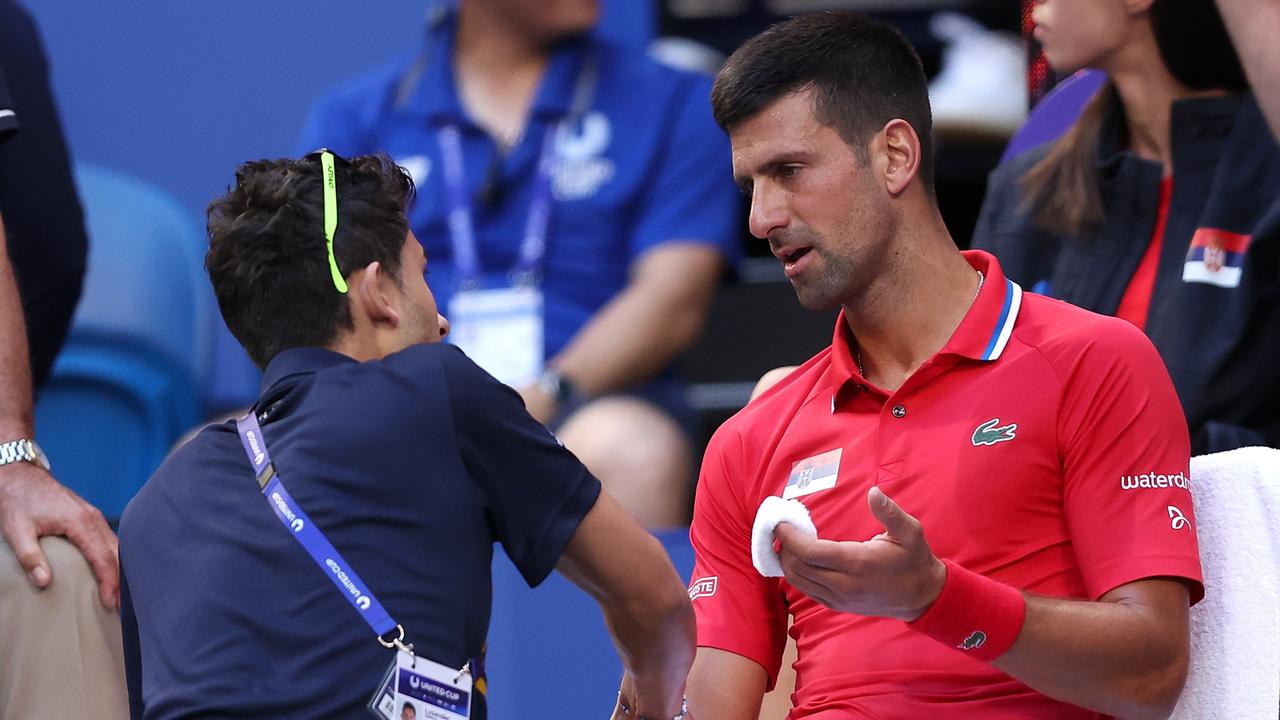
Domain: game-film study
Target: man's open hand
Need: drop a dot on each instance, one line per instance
(33, 505)
(894, 574)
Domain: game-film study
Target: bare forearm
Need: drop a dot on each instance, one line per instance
(726, 686)
(643, 600)
(656, 645)
(1254, 26)
(15, 370)
(1111, 657)
(629, 340)
(638, 333)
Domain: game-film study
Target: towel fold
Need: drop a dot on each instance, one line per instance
(772, 511)
(1235, 630)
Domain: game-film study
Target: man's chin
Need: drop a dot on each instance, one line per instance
(815, 301)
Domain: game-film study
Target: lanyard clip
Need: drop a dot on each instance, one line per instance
(397, 642)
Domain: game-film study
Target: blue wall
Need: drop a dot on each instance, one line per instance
(180, 93)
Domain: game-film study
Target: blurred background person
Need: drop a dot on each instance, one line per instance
(1161, 205)
(58, 595)
(576, 201)
(1254, 26)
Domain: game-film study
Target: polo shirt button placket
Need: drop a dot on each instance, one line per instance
(899, 411)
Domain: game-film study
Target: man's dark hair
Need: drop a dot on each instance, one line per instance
(864, 73)
(267, 258)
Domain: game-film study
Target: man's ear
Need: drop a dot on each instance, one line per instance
(901, 148)
(372, 295)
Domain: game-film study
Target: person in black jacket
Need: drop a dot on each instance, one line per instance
(1161, 205)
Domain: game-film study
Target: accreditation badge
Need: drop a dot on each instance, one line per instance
(417, 688)
(501, 330)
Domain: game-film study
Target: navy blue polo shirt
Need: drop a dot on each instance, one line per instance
(413, 466)
(644, 165)
(8, 116)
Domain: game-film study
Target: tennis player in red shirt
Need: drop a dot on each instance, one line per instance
(999, 480)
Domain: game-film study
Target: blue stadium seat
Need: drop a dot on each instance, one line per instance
(128, 380)
(549, 653)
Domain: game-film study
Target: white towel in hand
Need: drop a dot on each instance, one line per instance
(772, 511)
(1235, 630)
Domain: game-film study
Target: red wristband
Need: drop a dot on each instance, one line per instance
(974, 614)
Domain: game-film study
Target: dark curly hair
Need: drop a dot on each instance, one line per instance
(267, 258)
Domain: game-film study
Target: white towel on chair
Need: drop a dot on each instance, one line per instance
(1235, 630)
(772, 511)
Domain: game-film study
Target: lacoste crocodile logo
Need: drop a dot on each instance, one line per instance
(976, 640)
(991, 432)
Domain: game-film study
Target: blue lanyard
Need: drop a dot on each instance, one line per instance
(308, 534)
(461, 221)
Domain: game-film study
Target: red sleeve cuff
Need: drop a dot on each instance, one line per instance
(723, 638)
(1122, 571)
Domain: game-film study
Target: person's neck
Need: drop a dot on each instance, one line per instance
(362, 344)
(1148, 90)
(497, 68)
(913, 308)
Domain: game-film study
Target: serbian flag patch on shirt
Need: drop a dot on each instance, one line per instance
(813, 474)
(1216, 257)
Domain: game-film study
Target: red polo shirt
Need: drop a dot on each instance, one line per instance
(1043, 446)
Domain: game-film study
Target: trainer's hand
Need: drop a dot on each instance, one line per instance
(629, 707)
(894, 574)
(33, 505)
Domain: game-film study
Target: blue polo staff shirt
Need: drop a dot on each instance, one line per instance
(644, 165)
(413, 466)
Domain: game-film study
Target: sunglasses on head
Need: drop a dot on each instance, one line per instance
(329, 179)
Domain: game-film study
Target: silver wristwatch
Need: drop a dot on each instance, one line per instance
(23, 450)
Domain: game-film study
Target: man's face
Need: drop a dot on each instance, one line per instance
(550, 20)
(421, 321)
(1080, 33)
(408, 713)
(821, 210)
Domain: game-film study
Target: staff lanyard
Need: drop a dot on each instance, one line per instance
(461, 218)
(308, 534)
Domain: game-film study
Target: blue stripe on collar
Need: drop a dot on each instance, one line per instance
(1004, 326)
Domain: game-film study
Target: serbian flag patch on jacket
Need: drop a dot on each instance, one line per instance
(1216, 257)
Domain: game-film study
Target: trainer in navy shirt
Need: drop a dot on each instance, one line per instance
(394, 460)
